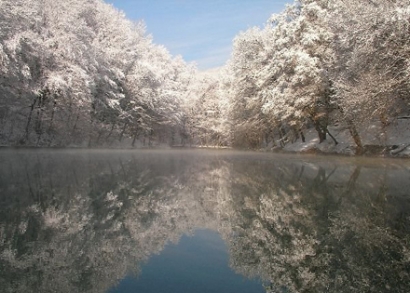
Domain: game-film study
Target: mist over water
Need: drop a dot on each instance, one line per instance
(83, 221)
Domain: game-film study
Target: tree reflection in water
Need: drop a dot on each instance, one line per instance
(81, 221)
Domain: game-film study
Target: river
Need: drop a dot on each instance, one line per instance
(202, 221)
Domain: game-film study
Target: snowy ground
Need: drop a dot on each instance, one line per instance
(394, 141)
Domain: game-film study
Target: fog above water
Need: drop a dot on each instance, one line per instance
(81, 221)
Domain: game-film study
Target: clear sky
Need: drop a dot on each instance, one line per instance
(200, 31)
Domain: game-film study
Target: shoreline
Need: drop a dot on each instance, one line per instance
(368, 151)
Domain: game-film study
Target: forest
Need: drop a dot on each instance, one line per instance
(77, 73)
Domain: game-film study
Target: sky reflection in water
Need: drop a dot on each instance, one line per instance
(198, 263)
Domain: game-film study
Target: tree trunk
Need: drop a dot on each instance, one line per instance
(123, 131)
(100, 133)
(320, 131)
(295, 134)
(30, 115)
(151, 133)
(39, 119)
(385, 122)
(281, 138)
(111, 130)
(302, 135)
(134, 139)
(355, 135)
(11, 132)
(282, 134)
(52, 115)
(75, 124)
(50, 127)
(333, 138)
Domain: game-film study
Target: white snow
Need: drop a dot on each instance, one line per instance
(396, 136)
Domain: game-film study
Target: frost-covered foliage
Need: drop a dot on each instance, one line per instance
(93, 78)
(207, 110)
(320, 63)
(281, 73)
(78, 73)
(372, 49)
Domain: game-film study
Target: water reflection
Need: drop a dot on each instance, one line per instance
(198, 263)
(82, 221)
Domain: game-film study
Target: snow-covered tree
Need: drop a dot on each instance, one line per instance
(206, 108)
(371, 69)
(250, 124)
(281, 72)
(90, 77)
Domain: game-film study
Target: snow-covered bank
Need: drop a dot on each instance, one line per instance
(392, 141)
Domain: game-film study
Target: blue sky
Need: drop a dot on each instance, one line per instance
(200, 31)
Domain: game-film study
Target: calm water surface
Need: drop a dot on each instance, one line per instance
(198, 221)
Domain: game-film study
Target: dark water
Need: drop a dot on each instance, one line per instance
(195, 221)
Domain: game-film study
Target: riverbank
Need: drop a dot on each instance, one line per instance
(390, 141)
(378, 141)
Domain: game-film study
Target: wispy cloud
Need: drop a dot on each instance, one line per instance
(214, 58)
